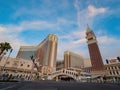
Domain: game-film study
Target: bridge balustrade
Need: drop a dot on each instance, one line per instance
(66, 72)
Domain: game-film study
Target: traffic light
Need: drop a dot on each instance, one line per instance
(118, 58)
(107, 61)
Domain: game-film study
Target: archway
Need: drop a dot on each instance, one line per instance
(63, 77)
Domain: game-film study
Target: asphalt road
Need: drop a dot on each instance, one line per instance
(52, 85)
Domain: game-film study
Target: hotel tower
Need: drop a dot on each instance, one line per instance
(45, 53)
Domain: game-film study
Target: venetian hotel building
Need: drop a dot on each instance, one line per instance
(45, 53)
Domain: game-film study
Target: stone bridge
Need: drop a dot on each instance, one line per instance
(64, 72)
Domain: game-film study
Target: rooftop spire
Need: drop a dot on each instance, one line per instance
(88, 28)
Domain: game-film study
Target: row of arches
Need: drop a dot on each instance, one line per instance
(68, 73)
(18, 76)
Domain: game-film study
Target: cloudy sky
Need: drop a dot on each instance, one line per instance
(28, 22)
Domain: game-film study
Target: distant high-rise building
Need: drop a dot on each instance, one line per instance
(95, 56)
(87, 65)
(73, 60)
(45, 53)
(25, 52)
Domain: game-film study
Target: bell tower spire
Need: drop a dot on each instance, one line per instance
(88, 28)
(90, 36)
(95, 55)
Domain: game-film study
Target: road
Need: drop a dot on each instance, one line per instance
(52, 85)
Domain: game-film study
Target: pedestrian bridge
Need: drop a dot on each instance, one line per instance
(64, 72)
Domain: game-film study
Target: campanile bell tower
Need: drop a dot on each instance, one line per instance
(95, 56)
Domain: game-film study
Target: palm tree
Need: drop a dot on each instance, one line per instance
(4, 47)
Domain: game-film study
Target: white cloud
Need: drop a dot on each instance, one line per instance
(64, 21)
(28, 25)
(14, 41)
(34, 25)
(82, 16)
(76, 37)
(109, 47)
(80, 41)
(107, 40)
(38, 25)
(92, 10)
(79, 33)
(87, 15)
(2, 29)
(69, 46)
(79, 13)
(10, 33)
(74, 41)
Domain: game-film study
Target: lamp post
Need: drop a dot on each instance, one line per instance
(118, 58)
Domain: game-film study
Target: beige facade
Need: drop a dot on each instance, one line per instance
(16, 67)
(60, 64)
(73, 60)
(87, 65)
(25, 52)
(113, 69)
(45, 53)
(87, 62)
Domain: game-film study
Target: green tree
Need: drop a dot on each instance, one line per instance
(5, 46)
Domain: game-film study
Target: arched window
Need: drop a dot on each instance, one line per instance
(117, 72)
(110, 73)
(114, 72)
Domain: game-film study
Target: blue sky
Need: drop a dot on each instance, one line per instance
(28, 22)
